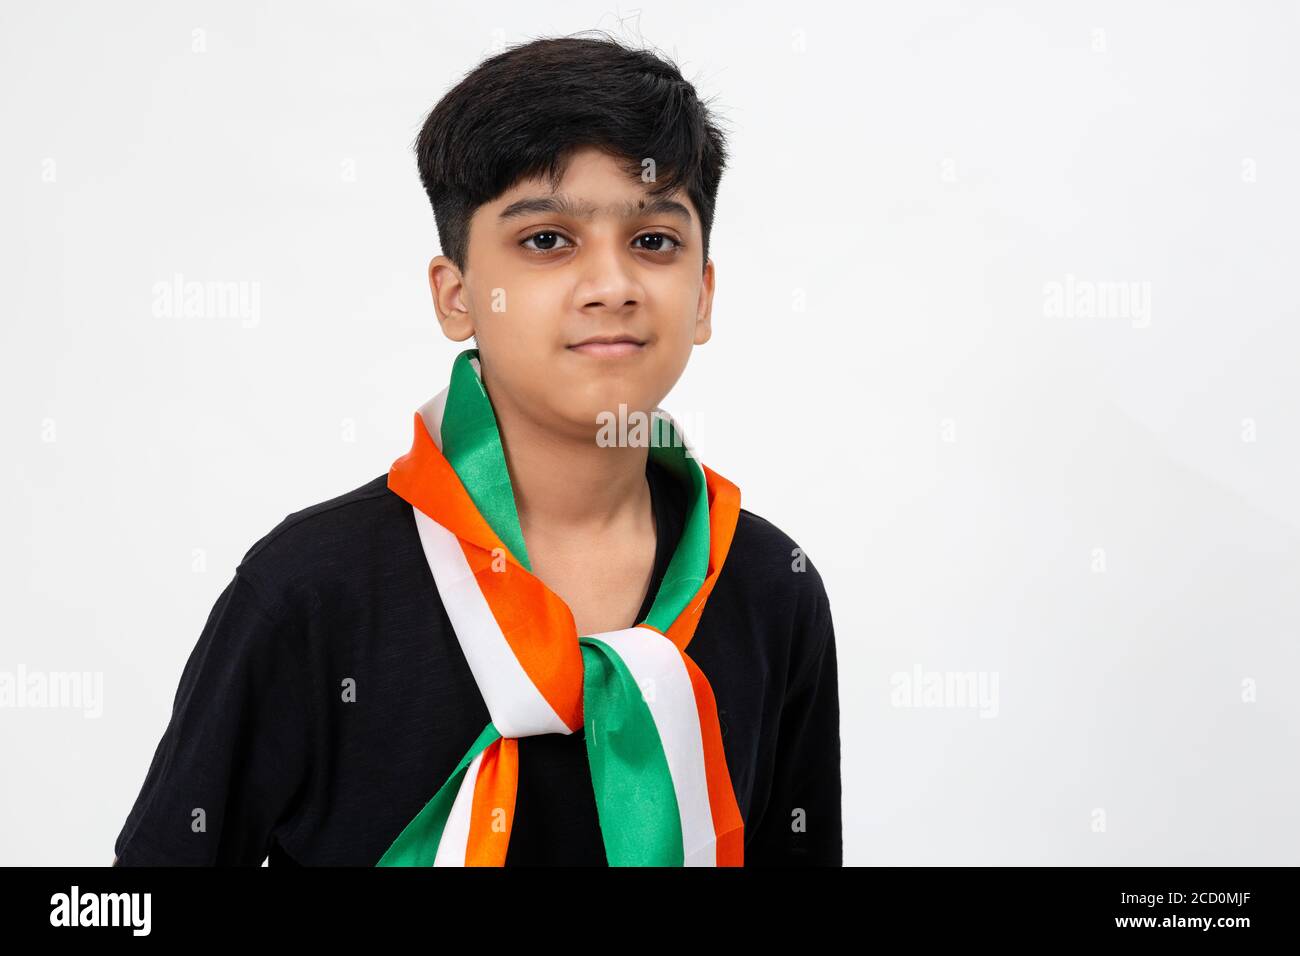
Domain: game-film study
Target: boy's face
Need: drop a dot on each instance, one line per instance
(548, 270)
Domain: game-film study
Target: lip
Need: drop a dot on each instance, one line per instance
(608, 346)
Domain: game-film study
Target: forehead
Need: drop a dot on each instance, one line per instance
(593, 184)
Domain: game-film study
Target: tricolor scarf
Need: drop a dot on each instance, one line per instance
(663, 792)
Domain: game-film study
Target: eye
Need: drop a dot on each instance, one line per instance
(546, 241)
(658, 239)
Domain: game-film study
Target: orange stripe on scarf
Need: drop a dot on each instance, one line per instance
(536, 623)
(495, 790)
(728, 824)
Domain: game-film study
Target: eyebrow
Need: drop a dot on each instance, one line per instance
(568, 206)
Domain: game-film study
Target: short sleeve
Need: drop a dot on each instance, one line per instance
(802, 824)
(230, 769)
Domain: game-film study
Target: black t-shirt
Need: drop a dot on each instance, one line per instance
(327, 699)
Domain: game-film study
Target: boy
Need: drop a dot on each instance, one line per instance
(527, 643)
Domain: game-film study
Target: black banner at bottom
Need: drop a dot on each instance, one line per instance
(930, 905)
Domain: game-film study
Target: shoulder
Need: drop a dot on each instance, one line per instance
(774, 572)
(324, 544)
(772, 555)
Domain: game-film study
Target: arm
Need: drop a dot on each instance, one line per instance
(233, 759)
(802, 823)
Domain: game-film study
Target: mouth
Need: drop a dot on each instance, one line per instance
(608, 346)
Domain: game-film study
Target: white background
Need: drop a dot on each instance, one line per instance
(886, 381)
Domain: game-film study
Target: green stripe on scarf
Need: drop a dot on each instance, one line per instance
(635, 799)
(471, 442)
(690, 562)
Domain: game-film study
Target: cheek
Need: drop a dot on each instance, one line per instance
(530, 312)
(672, 359)
(515, 318)
(677, 337)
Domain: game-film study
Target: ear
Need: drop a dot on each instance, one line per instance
(448, 288)
(704, 310)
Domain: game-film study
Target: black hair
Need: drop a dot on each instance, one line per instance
(522, 112)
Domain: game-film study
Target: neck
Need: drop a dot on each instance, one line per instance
(566, 484)
(576, 486)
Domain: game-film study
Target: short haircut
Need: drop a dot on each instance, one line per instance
(522, 112)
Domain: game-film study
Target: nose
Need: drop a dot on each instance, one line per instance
(608, 279)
